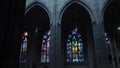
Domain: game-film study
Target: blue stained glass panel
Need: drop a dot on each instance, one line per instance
(107, 39)
(23, 48)
(45, 48)
(74, 47)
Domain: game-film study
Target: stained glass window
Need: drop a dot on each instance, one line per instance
(45, 48)
(74, 47)
(23, 48)
(107, 39)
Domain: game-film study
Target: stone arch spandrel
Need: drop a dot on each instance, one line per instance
(29, 2)
(49, 4)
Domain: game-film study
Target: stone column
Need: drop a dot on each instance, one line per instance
(52, 39)
(58, 47)
(101, 58)
(52, 47)
(90, 47)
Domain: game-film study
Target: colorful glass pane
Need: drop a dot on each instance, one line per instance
(74, 47)
(23, 48)
(45, 48)
(107, 39)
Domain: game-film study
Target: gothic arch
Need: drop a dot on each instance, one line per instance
(77, 14)
(39, 4)
(111, 18)
(105, 5)
(109, 5)
(72, 2)
(37, 22)
(107, 2)
(42, 7)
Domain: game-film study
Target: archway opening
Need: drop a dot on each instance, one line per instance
(112, 28)
(112, 22)
(37, 17)
(76, 16)
(37, 24)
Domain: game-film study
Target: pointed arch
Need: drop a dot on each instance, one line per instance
(111, 21)
(107, 2)
(111, 18)
(37, 22)
(72, 2)
(76, 15)
(39, 4)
